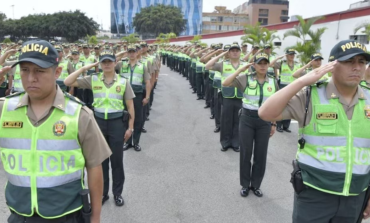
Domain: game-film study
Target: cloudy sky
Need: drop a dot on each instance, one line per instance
(100, 10)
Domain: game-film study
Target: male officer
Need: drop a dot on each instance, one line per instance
(333, 143)
(112, 94)
(51, 137)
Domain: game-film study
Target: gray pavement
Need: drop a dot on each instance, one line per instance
(182, 176)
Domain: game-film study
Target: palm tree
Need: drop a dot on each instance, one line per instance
(164, 39)
(132, 38)
(365, 26)
(258, 35)
(309, 41)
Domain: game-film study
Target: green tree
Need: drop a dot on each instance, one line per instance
(309, 41)
(7, 40)
(160, 19)
(366, 29)
(163, 39)
(258, 35)
(132, 38)
(92, 40)
(196, 39)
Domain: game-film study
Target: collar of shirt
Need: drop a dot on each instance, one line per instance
(254, 76)
(332, 92)
(59, 100)
(103, 78)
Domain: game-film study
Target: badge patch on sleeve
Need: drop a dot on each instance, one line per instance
(327, 116)
(12, 124)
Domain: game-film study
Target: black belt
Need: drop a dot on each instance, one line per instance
(38, 219)
(251, 113)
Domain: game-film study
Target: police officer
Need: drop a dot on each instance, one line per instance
(254, 133)
(64, 64)
(74, 65)
(44, 186)
(231, 102)
(112, 94)
(285, 69)
(335, 174)
(136, 74)
(316, 61)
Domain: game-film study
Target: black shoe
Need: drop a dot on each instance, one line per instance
(194, 92)
(217, 129)
(257, 191)
(279, 129)
(126, 146)
(223, 149)
(236, 149)
(191, 88)
(143, 130)
(146, 119)
(207, 106)
(119, 200)
(212, 117)
(137, 148)
(287, 130)
(105, 198)
(199, 98)
(244, 192)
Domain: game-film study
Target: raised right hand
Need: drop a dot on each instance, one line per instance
(315, 75)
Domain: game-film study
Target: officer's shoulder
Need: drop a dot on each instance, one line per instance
(72, 98)
(271, 76)
(14, 95)
(365, 87)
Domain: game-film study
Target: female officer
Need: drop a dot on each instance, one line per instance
(110, 91)
(257, 87)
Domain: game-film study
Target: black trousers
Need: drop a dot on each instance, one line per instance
(284, 124)
(88, 97)
(229, 134)
(145, 110)
(78, 93)
(207, 91)
(138, 123)
(217, 106)
(254, 135)
(312, 205)
(164, 59)
(113, 131)
(70, 218)
(3, 90)
(199, 80)
(193, 81)
(211, 93)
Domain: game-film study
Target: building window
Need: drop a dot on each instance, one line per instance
(236, 19)
(263, 21)
(220, 19)
(213, 27)
(213, 19)
(363, 39)
(206, 19)
(206, 27)
(284, 20)
(277, 43)
(264, 12)
(228, 19)
(284, 12)
(224, 28)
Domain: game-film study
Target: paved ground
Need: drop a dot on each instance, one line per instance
(182, 176)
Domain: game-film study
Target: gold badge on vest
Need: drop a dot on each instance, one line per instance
(327, 116)
(118, 89)
(11, 124)
(367, 111)
(59, 128)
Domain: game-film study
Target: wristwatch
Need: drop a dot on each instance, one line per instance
(132, 130)
(273, 124)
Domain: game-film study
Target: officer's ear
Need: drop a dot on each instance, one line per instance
(57, 71)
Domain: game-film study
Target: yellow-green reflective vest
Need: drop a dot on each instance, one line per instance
(87, 61)
(108, 100)
(336, 156)
(64, 73)
(212, 74)
(17, 82)
(230, 92)
(270, 70)
(199, 66)
(252, 99)
(217, 80)
(286, 74)
(136, 78)
(365, 84)
(44, 164)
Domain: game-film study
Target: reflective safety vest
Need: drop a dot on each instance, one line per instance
(230, 92)
(217, 80)
(108, 100)
(44, 164)
(199, 66)
(136, 78)
(88, 60)
(286, 74)
(64, 73)
(252, 99)
(336, 156)
(193, 63)
(17, 82)
(364, 84)
(211, 74)
(270, 70)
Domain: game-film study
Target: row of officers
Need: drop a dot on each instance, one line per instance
(250, 94)
(49, 137)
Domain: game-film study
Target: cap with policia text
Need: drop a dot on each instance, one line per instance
(75, 52)
(143, 43)
(131, 48)
(316, 56)
(261, 56)
(227, 47)
(39, 52)
(347, 49)
(107, 55)
(234, 46)
(290, 51)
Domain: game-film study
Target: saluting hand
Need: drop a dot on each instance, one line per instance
(89, 66)
(3, 72)
(245, 67)
(315, 75)
(281, 57)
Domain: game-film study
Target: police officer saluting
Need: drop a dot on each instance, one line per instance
(111, 94)
(333, 137)
(47, 138)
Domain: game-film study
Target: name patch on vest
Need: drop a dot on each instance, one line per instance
(12, 124)
(97, 88)
(327, 116)
(59, 128)
(228, 69)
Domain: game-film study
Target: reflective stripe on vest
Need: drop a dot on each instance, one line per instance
(230, 92)
(43, 163)
(251, 96)
(336, 156)
(286, 75)
(108, 100)
(136, 78)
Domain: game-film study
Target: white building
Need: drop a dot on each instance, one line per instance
(340, 26)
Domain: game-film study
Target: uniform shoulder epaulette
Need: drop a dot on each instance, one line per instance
(320, 83)
(71, 97)
(271, 76)
(364, 86)
(15, 94)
